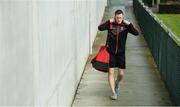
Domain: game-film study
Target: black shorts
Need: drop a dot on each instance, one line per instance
(117, 60)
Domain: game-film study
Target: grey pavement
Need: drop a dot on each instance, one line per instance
(141, 86)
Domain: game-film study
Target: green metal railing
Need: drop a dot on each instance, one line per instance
(164, 46)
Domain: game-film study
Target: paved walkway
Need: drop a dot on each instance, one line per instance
(142, 84)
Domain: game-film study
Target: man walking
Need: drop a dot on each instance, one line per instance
(118, 28)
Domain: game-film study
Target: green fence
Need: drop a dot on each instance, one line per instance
(164, 46)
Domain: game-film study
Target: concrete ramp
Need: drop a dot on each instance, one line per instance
(142, 84)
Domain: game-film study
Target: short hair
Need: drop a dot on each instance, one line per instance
(118, 12)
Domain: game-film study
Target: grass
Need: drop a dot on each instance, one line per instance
(172, 21)
(171, 3)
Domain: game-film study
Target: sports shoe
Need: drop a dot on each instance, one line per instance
(117, 87)
(113, 96)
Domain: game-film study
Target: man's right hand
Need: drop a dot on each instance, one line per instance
(111, 20)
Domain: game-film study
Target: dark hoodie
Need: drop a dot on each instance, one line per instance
(117, 35)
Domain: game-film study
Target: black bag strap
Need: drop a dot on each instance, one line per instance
(107, 39)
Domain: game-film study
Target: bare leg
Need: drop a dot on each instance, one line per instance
(111, 79)
(120, 74)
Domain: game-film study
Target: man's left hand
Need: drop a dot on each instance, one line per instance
(126, 22)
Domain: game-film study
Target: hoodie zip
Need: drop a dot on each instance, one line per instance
(117, 40)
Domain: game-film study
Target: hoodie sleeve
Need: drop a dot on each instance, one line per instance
(132, 30)
(104, 25)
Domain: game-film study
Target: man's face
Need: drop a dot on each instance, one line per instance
(119, 18)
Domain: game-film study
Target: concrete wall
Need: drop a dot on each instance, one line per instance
(44, 45)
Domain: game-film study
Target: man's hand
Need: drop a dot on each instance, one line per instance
(126, 22)
(111, 20)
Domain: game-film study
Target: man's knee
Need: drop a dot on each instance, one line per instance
(111, 71)
(121, 72)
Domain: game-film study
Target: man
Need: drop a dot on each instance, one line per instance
(118, 28)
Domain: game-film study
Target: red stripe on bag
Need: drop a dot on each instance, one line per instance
(103, 55)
